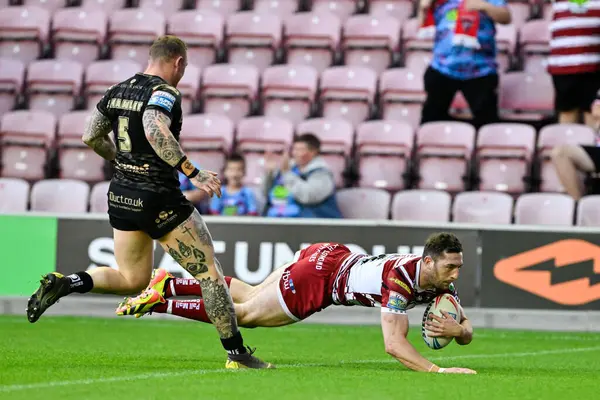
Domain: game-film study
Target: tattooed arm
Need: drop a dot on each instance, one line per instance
(97, 137)
(156, 126)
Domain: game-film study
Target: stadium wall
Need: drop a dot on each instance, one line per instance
(513, 276)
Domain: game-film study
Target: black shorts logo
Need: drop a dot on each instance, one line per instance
(126, 203)
(164, 217)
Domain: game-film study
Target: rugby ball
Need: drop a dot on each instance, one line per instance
(444, 302)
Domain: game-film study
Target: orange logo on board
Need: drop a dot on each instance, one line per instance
(563, 272)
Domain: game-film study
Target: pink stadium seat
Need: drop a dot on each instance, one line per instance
(253, 39)
(101, 75)
(520, 12)
(71, 127)
(189, 87)
(223, 7)
(53, 85)
(78, 34)
(401, 85)
(383, 149)
(551, 136)
(281, 8)
(210, 160)
(378, 201)
(312, 39)
(343, 9)
(50, 5)
(402, 10)
(264, 134)
(108, 6)
(406, 112)
(288, 91)
(255, 171)
(23, 32)
(506, 42)
(132, 31)
(505, 151)
(166, 7)
(14, 195)
(421, 205)
(25, 139)
(348, 93)
(12, 73)
(547, 11)
(524, 96)
(443, 151)
(588, 211)
(99, 197)
(483, 208)
(370, 41)
(544, 209)
(229, 90)
(535, 45)
(418, 50)
(60, 196)
(202, 31)
(207, 132)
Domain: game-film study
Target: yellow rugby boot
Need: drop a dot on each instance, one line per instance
(160, 278)
(140, 305)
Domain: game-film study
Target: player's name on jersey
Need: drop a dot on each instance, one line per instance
(129, 105)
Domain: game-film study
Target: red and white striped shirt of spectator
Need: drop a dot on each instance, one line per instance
(575, 44)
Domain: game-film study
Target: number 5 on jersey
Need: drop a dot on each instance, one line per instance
(123, 135)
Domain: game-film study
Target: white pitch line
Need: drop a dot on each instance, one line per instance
(43, 385)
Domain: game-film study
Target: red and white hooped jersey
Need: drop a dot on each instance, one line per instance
(388, 280)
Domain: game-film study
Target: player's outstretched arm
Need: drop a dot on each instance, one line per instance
(157, 129)
(395, 329)
(97, 137)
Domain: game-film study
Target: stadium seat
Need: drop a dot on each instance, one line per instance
(483, 208)
(108, 6)
(524, 96)
(383, 149)
(417, 50)
(60, 196)
(504, 154)
(535, 45)
(343, 9)
(281, 8)
(401, 95)
(370, 41)
(202, 31)
(544, 209)
(208, 159)
(24, 32)
(421, 205)
(351, 203)
(551, 136)
(402, 10)
(78, 34)
(165, 7)
(588, 211)
(405, 112)
(189, 87)
(547, 11)
(223, 7)
(52, 85)
(264, 134)
(99, 197)
(50, 5)
(443, 152)
(506, 43)
(520, 12)
(132, 31)
(207, 132)
(253, 39)
(12, 74)
(288, 91)
(101, 75)
(312, 39)
(14, 195)
(348, 93)
(255, 169)
(229, 90)
(76, 160)
(25, 139)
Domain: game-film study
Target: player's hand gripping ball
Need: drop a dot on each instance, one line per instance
(444, 302)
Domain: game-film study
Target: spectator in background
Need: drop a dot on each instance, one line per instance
(196, 196)
(464, 56)
(574, 60)
(303, 188)
(235, 198)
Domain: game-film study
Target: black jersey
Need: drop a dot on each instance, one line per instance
(137, 165)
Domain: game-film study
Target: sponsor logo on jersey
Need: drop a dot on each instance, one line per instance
(566, 272)
(401, 284)
(128, 201)
(288, 283)
(164, 217)
(143, 170)
(162, 99)
(397, 302)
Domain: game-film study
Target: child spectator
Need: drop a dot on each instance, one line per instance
(236, 199)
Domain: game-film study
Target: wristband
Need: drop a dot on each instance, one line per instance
(187, 168)
(441, 370)
(432, 367)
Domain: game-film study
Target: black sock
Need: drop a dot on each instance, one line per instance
(80, 282)
(234, 344)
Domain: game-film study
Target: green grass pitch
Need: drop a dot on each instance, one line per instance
(112, 359)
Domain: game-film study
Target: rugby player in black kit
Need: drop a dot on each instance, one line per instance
(144, 199)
